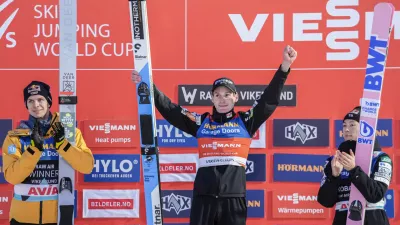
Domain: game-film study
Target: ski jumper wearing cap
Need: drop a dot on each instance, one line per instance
(335, 190)
(223, 143)
(30, 159)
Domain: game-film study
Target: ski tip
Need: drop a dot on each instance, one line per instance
(386, 6)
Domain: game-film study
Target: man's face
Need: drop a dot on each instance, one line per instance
(37, 106)
(351, 129)
(224, 99)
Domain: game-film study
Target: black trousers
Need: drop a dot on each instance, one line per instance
(207, 210)
(14, 222)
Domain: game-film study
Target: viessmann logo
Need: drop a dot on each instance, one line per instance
(108, 127)
(296, 198)
(215, 145)
(11, 42)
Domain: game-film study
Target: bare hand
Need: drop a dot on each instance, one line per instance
(348, 161)
(289, 56)
(337, 167)
(135, 77)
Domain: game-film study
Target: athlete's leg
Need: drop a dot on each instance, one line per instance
(232, 211)
(203, 211)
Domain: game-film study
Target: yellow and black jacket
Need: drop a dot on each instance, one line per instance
(34, 173)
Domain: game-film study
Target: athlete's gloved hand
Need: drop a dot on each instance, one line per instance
(58, 134)
(37, 136)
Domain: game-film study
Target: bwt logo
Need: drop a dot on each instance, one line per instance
(300, 131)
(367, 131)
(178, 203)
(249, 167)
(9, 35)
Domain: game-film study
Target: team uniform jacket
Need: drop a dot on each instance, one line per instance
(34, 174)
(335, 191)
(223, 139)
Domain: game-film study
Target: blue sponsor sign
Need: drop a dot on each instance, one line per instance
(176, 203)
(384, 131)
(301, 132)
(255, 203)
(5, 126)
(75, 203)
(299, 167)
(2, 179)
(170, 136)
(115, 168)
(256, 167)
(389, 207)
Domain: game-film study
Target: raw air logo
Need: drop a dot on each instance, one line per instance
(300, 131)
(200, 95)
(178, 203)
(3, 29)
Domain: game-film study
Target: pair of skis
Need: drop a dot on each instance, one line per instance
(68, 101)
(370, 103)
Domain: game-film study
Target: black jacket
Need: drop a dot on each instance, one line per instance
(337, 189)
(226, 180)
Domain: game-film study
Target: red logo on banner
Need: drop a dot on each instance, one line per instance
(297, 204)
(110, 203)
(110, 133)
(178, 168)
(5, 202)
(256, 136)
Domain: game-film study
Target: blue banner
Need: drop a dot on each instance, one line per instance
(299, 167)
(2, 179)
(301, 132)
(389, 207)
(176, 203)
(170, 136)
(255, 203)
(256, 167)
(5, 126)
(115, 168)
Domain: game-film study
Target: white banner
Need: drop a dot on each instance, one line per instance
(110, 204)
(259, 140)
(178, 167)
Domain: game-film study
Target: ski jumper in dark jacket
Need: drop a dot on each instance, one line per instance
(335, 191)
(223, 143)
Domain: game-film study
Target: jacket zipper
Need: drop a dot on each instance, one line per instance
(40, 213)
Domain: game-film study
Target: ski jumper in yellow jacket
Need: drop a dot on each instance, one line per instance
(34, 173)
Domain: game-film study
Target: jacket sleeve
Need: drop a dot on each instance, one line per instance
(266, 104)
(176, 115)
(327, 193)
(373, 188)
(17, 165)
(80, 157)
